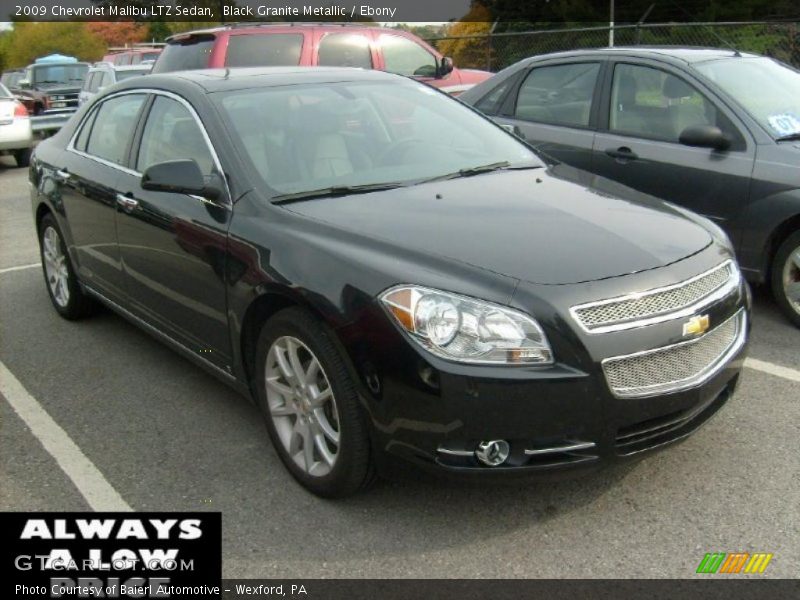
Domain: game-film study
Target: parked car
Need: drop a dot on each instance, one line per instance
(52, 87)
(101, 75)
(308, 44)
(133, 56)
(11, 79)
(16, 137)
(392, 276)
(716, 131)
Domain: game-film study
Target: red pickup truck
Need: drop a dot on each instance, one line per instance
(315, 44)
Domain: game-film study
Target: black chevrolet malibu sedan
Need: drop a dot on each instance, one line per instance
(393, 278)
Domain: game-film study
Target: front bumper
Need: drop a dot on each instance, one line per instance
(433, 413)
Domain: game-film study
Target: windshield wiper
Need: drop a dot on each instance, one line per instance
(789, 138)
(479, 170)
(335, 190)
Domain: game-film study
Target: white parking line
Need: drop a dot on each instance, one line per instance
(91, 483)
(778, 370)
(20, 268)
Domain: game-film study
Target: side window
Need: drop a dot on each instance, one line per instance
(490, 104)
(171, 133)
(652, 103)
(345, 50)
(123, 59)
(406, 57)
(83, 136)
(113, 127)
(266, 50)
(87, 83)
(561, 94)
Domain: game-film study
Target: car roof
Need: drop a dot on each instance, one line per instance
(214, 80)
(676, 53)
(260, 28)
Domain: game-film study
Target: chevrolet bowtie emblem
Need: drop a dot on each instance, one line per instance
(697, 325)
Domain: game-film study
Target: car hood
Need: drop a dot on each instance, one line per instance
(531, 225)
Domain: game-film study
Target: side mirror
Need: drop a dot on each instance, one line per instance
(445, 67)
(513, 130)
(705, 136)
(179, 177)
(24, 84)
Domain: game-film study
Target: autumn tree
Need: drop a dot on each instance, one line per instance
(120, 33)
(29, 41)
(469, 51)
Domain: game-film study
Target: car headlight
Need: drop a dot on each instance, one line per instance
(466, 329)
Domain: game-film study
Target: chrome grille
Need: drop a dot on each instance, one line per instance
(676, 367)
(629, 311)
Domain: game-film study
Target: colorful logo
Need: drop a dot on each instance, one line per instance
(734, 562)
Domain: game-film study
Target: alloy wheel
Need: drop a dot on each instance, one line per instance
(55, 264)
(302, 406)
(791, 279)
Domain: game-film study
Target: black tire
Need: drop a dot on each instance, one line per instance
(23, 157)
(78, 305)
(353, 469)
(779, 266)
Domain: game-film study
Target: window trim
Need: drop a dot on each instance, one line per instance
(149, 94)
(604, 123)
(509, 107)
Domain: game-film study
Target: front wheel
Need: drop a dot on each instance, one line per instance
(311, 406)
(786, 277)
(65, 292)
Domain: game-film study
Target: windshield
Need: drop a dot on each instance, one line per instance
(72, 73)
(309, 137)
(766, 89)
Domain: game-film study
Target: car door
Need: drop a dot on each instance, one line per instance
(647, 106)
(94, 161)
(173, 245)
(554, 106)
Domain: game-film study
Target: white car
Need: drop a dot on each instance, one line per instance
(16, 135)
(103, 74)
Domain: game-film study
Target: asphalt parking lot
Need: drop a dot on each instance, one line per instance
(158, 433)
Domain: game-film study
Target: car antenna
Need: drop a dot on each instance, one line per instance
(724, 42)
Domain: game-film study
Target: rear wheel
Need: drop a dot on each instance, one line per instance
(311, 406)
(65, 292)
(786, 277)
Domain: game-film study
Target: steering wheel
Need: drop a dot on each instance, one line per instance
(397, 150)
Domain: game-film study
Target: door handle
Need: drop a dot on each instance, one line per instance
(61, 176)
(623, 153)
(127, 202)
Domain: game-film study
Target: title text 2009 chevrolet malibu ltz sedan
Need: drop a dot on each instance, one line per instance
(393, 278)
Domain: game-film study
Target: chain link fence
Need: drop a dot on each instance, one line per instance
(495, 51)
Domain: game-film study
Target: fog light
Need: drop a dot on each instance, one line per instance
(493, 453)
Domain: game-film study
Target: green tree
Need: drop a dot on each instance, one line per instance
(29, 41)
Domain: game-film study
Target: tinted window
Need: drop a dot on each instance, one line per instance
(655, 104)
(69, 73)
(113, 127)
(559, 94)
(406, 57)
(122, 59)
(267, 50)
(193, 52)
(171, 133)
(490, 104)
(80, 142)
(345, 50)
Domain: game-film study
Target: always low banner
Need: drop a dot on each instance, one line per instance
(111, 555)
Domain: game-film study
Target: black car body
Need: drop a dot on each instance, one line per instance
(639, 304)
(623, 113)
